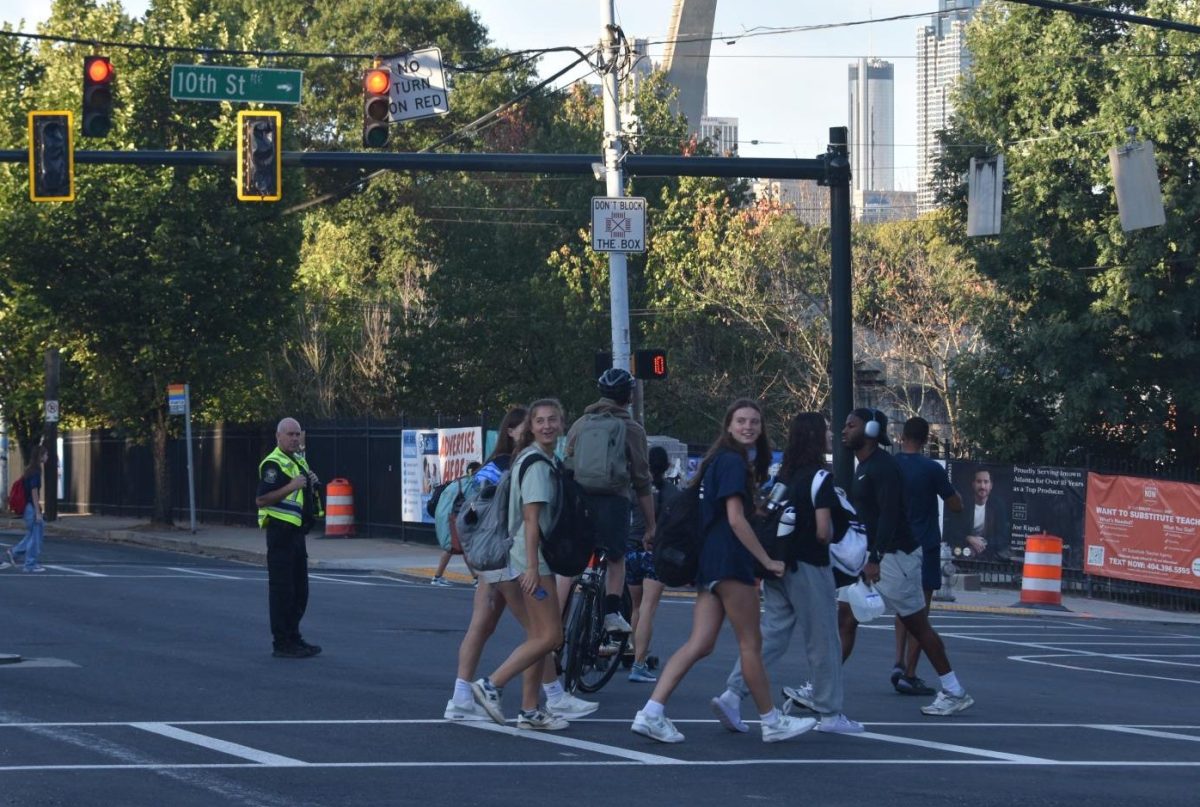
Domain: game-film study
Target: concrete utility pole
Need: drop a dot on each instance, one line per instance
(614, 181)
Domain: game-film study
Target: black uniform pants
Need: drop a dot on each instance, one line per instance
(287, 580)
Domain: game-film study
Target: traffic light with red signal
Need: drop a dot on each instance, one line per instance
(98, 78)
(51, 157)
(376, 83)
(259, 156)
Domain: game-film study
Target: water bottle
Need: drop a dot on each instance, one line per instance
(778, 492)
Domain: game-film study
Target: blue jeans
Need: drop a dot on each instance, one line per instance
(31, 545)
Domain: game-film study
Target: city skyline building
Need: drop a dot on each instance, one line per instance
(942, 58)
(722, 132)
(685, 58)
(872, 125)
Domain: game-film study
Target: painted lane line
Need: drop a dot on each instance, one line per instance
(582, 745)
(75, 571)
(223, 746)
(203, 574)
(441, 721)
(1166, 735)
(957, 749)
(1147, 733)
(38, 662)
(1082, 763)
(1037, 660)
(330, 579)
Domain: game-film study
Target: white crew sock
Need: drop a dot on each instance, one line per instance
(653, 709)
(462, 692)
(951, 685)
(771, 717)
(553, 690)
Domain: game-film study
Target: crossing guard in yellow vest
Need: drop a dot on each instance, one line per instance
(288, 502)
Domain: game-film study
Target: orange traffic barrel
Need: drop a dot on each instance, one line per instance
(1041, 578)
(339, 508)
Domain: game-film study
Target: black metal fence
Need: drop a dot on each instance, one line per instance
(108, 474)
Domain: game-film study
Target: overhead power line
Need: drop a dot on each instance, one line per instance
(1103, 13)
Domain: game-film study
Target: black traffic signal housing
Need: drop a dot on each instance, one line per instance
(51, 156)
(259, 156)
(650, 365)
(97, 96)
(376, 83)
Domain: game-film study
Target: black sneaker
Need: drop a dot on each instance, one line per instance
(293, 651)
(313, 649)
(914, 686)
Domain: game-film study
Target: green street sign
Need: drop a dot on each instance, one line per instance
(203, 82)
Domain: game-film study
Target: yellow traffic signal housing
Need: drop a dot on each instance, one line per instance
(259, 156)
(51, 156)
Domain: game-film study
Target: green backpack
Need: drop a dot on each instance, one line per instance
(598, 460)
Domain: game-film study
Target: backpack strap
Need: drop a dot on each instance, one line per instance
(818, 480)
(536, 456)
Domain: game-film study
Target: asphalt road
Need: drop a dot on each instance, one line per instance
(148, 680)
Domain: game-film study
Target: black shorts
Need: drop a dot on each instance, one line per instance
(611, 519)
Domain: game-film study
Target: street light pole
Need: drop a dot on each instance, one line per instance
(614, 180)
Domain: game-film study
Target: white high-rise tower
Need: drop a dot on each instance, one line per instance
(872, 125)
(942, 57)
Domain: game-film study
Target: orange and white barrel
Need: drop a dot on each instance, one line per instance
(1041, 579)
(339, 508)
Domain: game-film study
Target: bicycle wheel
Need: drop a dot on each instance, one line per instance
(574, 628)
(601, 656)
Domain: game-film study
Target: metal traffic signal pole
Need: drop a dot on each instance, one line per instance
(614, 182)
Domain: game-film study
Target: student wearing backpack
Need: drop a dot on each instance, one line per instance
(804, 598)
(443, 521)
(532, 510)
(607, 452)
(491, 600)
(733, 469)
(30, 547)
(644, 586)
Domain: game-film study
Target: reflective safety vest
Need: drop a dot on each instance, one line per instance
(289, 509)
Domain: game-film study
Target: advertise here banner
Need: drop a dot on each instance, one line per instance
(1146, 530)
(430, 457)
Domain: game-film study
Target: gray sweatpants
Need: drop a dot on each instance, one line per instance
(804, 599)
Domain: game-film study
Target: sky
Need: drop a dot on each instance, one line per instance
(786, 89)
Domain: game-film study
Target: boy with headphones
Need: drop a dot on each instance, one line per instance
(894, 565)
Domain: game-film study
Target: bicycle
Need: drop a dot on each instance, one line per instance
(589, 657)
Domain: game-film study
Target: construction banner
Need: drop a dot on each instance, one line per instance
(1143, 529)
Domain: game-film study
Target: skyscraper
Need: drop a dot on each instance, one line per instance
(872, 125)
(942, 57)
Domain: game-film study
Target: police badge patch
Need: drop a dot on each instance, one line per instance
(270, 475)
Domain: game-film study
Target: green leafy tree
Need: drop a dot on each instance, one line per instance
(1097, 345)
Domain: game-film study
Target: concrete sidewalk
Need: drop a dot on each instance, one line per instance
(395, 557)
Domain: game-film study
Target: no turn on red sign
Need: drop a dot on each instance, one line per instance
(618, 224)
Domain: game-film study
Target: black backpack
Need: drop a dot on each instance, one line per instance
(568, 545)
(434, 496)
(678, 539)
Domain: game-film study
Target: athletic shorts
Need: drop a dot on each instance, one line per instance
(611, 514)
(501, 575)
(931, 568)
(900, 581)
(639, 566)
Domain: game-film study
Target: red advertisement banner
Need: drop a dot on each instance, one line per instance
(1143, 529)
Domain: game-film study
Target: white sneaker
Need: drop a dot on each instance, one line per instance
(488, 697)
(441, 581)
(729, 716)
(786, 728)
(656, 728)
(839, 724)
(572, 708)
(947, 704)
(471, 711)
(615, 623)
(801, 696)
(541, 720)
